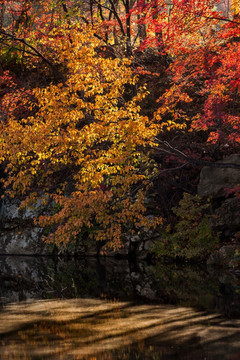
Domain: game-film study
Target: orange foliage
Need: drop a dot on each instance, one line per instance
(84, 132)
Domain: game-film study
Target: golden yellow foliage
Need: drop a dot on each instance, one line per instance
(84, 133)
(235, 7)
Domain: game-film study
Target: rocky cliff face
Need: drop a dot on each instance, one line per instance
(18, 235)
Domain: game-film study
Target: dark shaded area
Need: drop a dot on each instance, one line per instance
(207, 289)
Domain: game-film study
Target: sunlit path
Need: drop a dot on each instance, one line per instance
(74, 329)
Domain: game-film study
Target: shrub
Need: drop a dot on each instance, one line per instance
(192, 235)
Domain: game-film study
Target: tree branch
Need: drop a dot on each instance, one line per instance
(220, 18)
(96, 35)
(114, 11)
(56, 73)
(168, 149)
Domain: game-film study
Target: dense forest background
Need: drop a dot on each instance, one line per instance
(109, 111)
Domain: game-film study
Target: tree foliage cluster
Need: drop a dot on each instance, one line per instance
(117, 98)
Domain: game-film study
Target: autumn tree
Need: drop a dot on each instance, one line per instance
(198, 112)
(87, 130)
(210, 71)
(119, 24)
(202, 39)
(85, 133)
(28, 23)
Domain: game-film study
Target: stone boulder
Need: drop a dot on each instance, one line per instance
(214, 180)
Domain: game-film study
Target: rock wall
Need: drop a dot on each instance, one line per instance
(18, 235)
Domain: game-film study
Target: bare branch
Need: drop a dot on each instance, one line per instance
(166, 148)
(114, 11)
(220, 18)
(56, 73)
